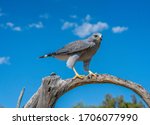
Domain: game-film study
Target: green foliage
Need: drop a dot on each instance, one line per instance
(117, 102)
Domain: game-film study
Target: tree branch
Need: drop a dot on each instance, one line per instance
(20, 98)
(54, 87)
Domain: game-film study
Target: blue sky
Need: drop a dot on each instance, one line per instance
(31, 28)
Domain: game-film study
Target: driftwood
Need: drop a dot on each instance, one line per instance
(54, 87)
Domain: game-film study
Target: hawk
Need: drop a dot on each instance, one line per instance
(80, 50)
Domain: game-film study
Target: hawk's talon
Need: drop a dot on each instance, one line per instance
(92, 74)
(78, 76)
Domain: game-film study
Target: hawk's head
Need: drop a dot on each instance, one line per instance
(97, 37)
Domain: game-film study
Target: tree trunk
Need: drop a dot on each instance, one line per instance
(53, 87)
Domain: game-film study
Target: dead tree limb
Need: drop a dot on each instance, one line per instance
(20, 98)
(54, 87)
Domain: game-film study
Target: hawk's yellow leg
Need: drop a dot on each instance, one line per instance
(91, 73)
(77, 75)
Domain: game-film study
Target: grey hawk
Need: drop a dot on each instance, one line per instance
(81, 50)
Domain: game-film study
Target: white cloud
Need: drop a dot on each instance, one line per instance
(67, 25)
(9, 24)
(4, 60)
(44, 16)
(17, 28)
(37, 25)
(87, 28)
(119, 29)
(84, 27)
(13, 27)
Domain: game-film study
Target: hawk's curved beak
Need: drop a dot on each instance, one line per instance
(101, 38)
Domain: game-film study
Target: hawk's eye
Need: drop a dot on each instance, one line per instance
(95, 36)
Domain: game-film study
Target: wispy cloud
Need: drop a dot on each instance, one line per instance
(17, 28)
(67, 25)
(4, 60)
(44, 16)
(13, 27)
(37, 25)
(119, 29)
(10, 24)
(85, 28)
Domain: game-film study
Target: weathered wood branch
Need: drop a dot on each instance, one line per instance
(20, 98)
(54, 87)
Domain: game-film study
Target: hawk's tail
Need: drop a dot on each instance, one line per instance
(47, 55)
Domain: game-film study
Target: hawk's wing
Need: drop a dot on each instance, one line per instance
(74, 47)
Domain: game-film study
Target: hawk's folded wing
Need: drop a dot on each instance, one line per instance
(74, 47)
